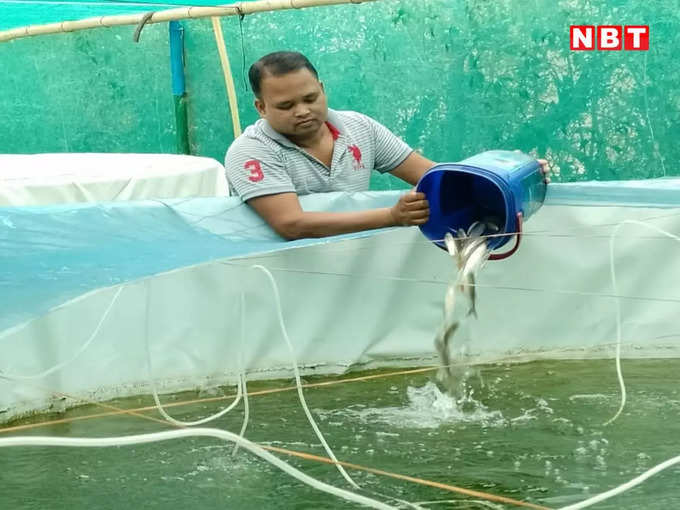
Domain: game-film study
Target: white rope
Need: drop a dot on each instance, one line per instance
(159, 406)
(612, 270)
(246, 412)
(298, 382)
(664, 465)
(624, 487)
(77, 354)
(195, 432)
(246, 406)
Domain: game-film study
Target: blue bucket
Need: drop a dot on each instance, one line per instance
(503, 185)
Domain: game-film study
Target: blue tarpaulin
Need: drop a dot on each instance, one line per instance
(50, 254)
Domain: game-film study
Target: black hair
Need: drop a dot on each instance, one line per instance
(277, 64)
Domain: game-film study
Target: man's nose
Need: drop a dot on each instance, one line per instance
(302, 110)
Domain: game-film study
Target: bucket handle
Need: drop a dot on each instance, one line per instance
(501, 256)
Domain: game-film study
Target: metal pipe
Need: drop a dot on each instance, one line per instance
(176, 31)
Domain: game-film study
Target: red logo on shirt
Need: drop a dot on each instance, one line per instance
(356, 154)
(255, 168)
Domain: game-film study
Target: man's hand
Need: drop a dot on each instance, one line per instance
(544, 169)
(411, 209)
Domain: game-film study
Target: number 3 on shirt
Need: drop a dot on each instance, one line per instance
(255, 168)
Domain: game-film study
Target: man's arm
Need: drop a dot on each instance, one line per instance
(285, 215)
(412, 168)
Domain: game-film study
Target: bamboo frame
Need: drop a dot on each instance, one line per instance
(228, 78)
(237, 9)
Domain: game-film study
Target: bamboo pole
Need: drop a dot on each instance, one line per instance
(228, 78)
(237, 9)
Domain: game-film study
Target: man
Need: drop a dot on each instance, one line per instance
(299, 146)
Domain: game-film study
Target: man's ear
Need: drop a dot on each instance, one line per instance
(322, 89)
(259, 106)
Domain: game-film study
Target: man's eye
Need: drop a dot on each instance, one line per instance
(311, 99)
(284, 106)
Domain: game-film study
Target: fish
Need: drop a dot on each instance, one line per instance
(470, 251)
(491, 220)
(491, 223)
(460, 240)
(477, 229)
(474, 260)
(468, 285)
(451, 245)
(492, 227)
(449, 299)
(449, 302)
(442, 343)
(454, 246)
(471, 245)
(472, 293)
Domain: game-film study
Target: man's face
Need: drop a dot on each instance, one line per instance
(294, 104)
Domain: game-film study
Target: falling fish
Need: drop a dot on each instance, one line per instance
(467, 278)
(450, 297)
(449, 302)
(451, 245)
(455, 247)
(474, 260)
(470, 251)
(472, 293)
(442, 343)
(449, 327)
(471, 246)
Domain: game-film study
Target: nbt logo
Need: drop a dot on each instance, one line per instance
(609, 37)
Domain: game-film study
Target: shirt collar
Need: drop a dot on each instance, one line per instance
(336, 121)
(275, 135)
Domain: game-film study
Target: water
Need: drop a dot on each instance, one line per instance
(533, 432)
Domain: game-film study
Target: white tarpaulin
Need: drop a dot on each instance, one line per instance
(41, 179)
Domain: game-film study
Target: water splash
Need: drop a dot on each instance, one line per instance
(429, 407)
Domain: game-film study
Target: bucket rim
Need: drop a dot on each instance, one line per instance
(499, 182)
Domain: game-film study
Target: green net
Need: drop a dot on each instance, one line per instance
(452, 77)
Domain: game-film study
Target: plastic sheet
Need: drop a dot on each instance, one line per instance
(43, 179)
(369, 299)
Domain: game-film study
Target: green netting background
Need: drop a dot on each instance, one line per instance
(452, 77)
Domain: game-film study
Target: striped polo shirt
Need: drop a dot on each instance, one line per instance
(263, 162)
